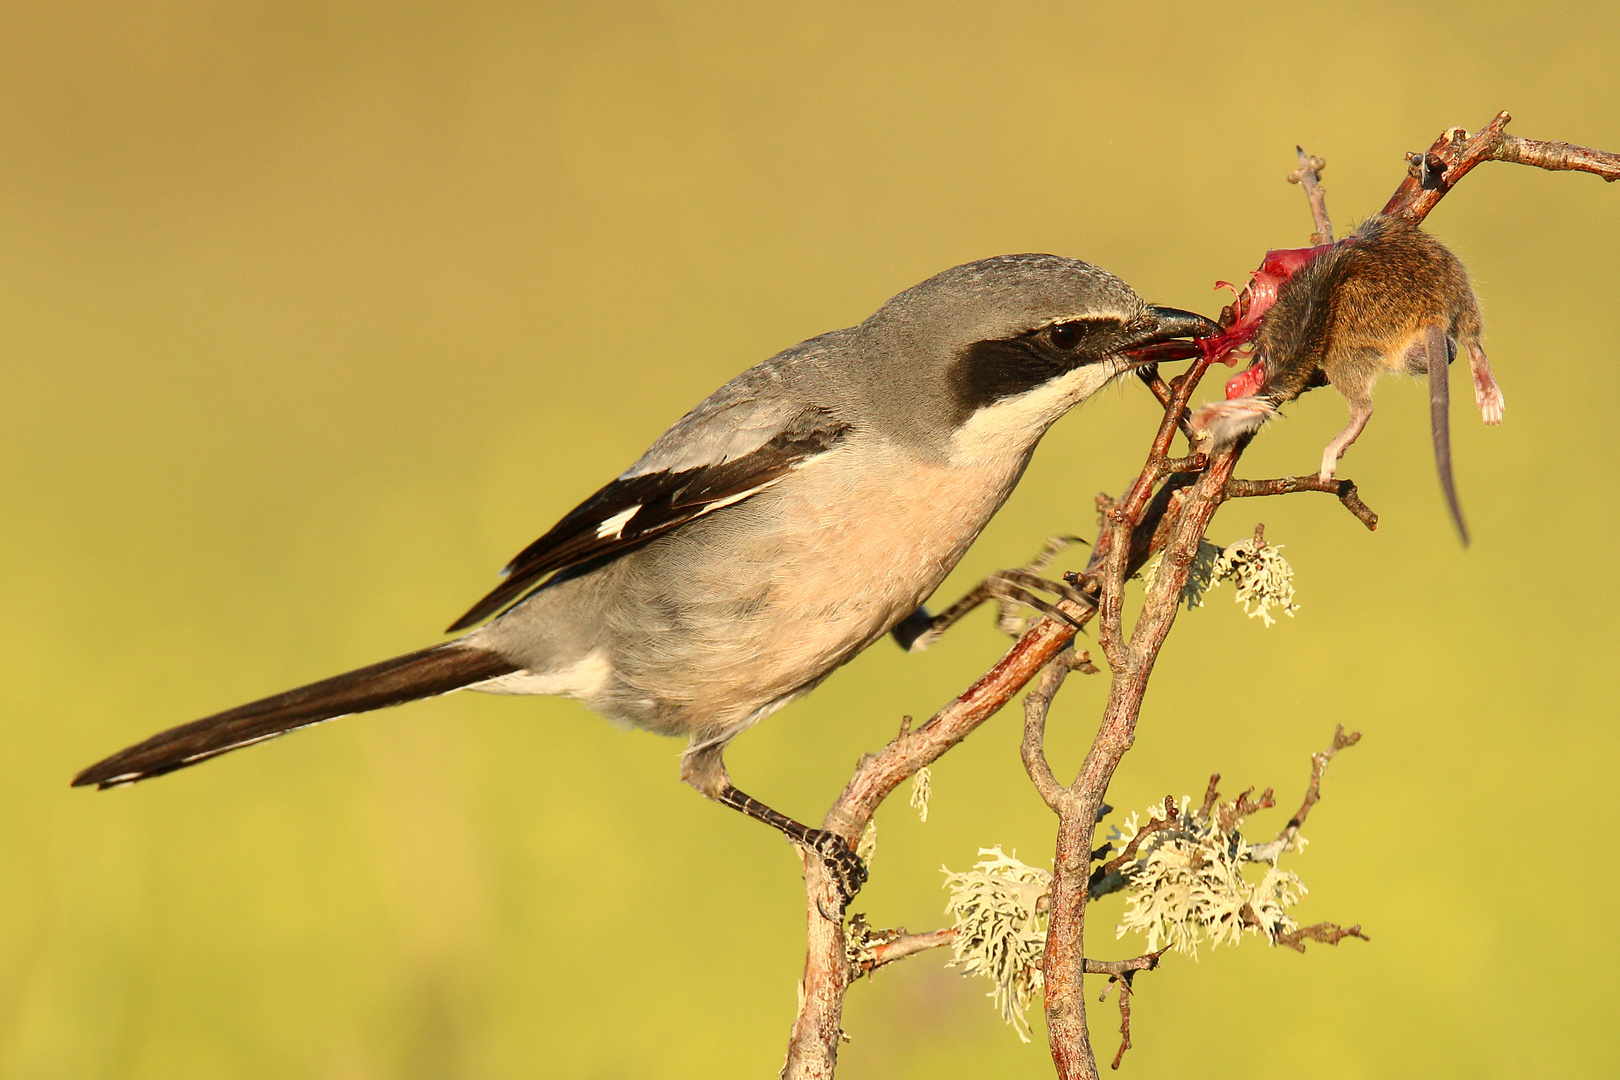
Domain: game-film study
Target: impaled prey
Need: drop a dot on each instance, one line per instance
(1388, 298)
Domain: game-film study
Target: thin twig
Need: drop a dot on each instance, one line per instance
(1125, 991)
(1455, 152)
(1121, 973)
(1269, 852)
(1033, 750)
(1319, 762)
(1289, 485)
(1309, 175)
(1169, 822)
(1145, 962)
(1149, 374)
(871, 949)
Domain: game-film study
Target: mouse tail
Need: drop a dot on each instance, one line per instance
(1438, 350)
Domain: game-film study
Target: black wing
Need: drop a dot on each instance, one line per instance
(637, 507)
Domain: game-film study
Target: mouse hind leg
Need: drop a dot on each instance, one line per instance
(1487, 394)
(1361, 410)
(1466, 327)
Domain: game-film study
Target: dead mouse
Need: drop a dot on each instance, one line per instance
(1388, 298)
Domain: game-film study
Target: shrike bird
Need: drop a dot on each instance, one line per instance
(793, 518)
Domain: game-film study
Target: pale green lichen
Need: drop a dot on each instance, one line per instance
(921, 790)
(1200, 579)
(866, 848)
(999, 907)
(1262, 578)
(1188, 886)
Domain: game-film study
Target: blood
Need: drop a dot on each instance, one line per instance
(1251, 306)
(1247, 383)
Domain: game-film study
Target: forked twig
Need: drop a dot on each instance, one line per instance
(1167, 509)
(1309, 176)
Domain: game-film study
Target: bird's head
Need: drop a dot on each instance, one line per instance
(992, 353)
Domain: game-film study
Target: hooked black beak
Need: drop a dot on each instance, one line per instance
(1164, 334)
(1173, 323)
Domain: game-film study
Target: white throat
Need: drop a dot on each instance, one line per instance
(1014, 424)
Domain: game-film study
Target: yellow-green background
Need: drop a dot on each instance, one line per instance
(311, 314)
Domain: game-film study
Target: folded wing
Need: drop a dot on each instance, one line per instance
(654, 498)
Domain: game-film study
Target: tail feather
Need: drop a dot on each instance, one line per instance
(433, 671)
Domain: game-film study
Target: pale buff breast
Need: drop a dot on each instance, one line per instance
(722, 632)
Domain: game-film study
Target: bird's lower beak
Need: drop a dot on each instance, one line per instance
(1166, 335)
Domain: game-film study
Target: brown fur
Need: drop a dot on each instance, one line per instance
(1390, 299)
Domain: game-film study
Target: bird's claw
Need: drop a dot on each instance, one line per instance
(847, 869)
(1014, 587)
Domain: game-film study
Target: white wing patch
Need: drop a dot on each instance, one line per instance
(740, 496)
(613, 526)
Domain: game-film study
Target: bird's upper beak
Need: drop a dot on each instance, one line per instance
(1165, 334)
(1161, 325)
(1175, 323)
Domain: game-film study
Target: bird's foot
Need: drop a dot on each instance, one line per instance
(1006, 587)
(1012, 587)
(847, 869)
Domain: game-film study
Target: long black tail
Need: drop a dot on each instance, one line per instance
(433, 671)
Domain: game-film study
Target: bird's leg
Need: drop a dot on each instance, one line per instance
(703, 767)
(846, 867)
(1361, 411)
(1007, 587)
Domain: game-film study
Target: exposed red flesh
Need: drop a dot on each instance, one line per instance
(1247, 382)
(1253, 303)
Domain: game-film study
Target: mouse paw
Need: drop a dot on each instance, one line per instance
(1491, 403)
(1224, 421)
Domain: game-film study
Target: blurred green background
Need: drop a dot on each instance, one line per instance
(312, 314)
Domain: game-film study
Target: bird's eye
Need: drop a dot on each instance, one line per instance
(1065, 335)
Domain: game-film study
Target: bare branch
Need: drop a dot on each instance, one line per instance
(1170, 820)
(1145, 962)
(1242, 806)
(1313, 794)
(1309, 175)
(1120, 973)
(1313, 791)
(1289, 485)
(870, 949)
(1149, 374)
(1036, 705)
(1455, 153)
